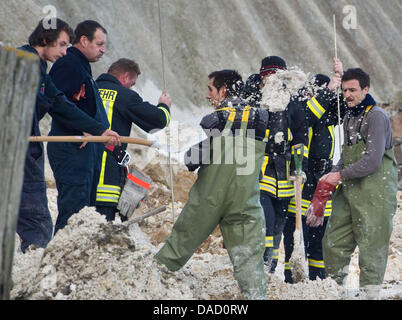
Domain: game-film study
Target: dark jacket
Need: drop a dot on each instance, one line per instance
(51, 100)
(322, 114)
(34, 222)
(322, 117)
(290, 128)
(123, 107)
(71, 165)
(214, 123)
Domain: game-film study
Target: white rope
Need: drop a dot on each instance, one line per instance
(168, 128)
(337, 90)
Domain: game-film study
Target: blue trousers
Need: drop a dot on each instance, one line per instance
(275, 211)
(35, 224)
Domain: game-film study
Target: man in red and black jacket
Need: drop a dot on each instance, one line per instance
(124, 107)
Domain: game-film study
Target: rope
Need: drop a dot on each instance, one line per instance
(337, 89)
(167, 129)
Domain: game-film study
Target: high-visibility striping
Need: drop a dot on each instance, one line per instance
(269, 241)
(107, 197)
(315, 107)
(138, 181)
(167, 114)
(316, 263)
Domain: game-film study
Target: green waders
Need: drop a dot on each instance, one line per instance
(224, 195)
(362, 215)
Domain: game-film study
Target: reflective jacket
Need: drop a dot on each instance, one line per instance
(123, 107)
(322, 116)
(285, 130)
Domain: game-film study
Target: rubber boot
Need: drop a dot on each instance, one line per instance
(314, 272)
(370, 292)
(274, 263)
(268, 256)
(288, 273)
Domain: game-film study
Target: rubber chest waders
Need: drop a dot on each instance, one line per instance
(224, 195)
(362, 216)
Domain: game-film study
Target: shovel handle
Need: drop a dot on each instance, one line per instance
(298, 156)
(298, 196)
(146, 215)
(103, 139)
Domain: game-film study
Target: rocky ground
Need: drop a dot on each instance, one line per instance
(91, 259)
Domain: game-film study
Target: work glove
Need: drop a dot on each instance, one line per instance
(315, 212)
(134, 191)
(303, 175)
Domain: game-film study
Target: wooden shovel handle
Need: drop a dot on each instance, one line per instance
(103, 139)
(298, 196)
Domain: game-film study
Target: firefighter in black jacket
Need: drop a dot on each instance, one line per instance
(123, 108)
(322, 115)
(285, 129)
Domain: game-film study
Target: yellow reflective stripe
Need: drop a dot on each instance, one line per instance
(108, 189)
(316, 263)
(286, 193)
(107, 197)
(310, 137)
(269, 241)
(266, 135)
(331, 130)
(315, 107)
(167, 114)
(290, 135)
(292, 205)
(328, 208)
(246, 114)
(232, 116)
(287, 265)
(268, 188)
(269, 180)
(285, 184)
(275, 254)
(264, 165)
(102, 173)
(225, 109)
(108, 98)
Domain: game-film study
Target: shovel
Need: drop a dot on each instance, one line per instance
(297, 262)
(146, 215)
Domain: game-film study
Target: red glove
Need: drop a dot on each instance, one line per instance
(315, 212)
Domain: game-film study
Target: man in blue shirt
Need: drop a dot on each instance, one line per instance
(76, 167)
(35, 225)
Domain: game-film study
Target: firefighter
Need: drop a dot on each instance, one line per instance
(321, 110)
(276, 189)
(123, 107)
(226, 191)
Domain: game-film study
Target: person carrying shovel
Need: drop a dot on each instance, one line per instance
(322, 117)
